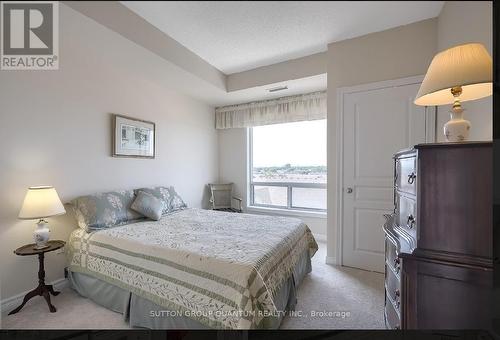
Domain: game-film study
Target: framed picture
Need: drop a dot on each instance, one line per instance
(133, 137)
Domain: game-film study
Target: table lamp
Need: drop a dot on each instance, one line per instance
(456, 75)
(41, 202)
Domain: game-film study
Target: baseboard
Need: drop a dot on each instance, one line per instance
(331, 260)
(8, 304)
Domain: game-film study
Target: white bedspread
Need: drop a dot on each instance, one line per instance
(221, 269)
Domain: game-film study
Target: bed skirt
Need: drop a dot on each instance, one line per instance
(143, 313)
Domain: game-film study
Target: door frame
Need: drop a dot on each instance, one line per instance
(430, 136)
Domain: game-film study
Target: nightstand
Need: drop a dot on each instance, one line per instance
(42, 289)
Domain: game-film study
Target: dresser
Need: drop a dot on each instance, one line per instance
(438, 240)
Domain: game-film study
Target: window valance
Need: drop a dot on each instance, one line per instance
(311, 106)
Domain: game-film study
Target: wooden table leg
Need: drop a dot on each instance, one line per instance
(46, 295)
(28, 296)
(42, 289)
(51, 290)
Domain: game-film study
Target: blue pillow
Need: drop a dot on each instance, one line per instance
(176, 202)
(148, 205)
(104, 210)
(169, 197)
(161, 193)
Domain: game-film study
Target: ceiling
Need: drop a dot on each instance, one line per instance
(237, 36)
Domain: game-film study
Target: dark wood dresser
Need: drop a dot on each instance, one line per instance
(438, 241)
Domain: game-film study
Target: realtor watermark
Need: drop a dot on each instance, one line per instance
(29, 33)
(239, 313)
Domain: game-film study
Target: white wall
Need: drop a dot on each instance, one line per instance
(392, 54)
(462, 22)
(304, 67)
(233, 165)
(233, 160)
(56, 129)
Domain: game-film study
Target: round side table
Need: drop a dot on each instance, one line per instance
(42, 289)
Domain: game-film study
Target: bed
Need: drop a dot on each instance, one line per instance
(194, 268)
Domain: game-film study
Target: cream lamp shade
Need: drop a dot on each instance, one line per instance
(468, 66)
(456, 75)
(41, 202)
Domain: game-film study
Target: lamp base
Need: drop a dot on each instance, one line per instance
(41, 234)
(457, 128)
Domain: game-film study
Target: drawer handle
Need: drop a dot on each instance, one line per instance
(411, 178)
(396, 265)
(410, 222)
(396, 298)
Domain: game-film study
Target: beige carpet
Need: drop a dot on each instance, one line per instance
(325, 291)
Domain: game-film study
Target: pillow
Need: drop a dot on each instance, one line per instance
(176, 202)
(148, 205)
(161, 193)
(104, 210)
(169, 197)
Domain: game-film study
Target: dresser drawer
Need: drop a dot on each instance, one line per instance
(391, 255)
(393, 288)
(392, 319)
(406, 175)
(406, 212)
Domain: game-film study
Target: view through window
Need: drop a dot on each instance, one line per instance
(288, 165)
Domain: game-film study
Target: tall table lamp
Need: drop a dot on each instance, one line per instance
(456, 75)
(39, 203)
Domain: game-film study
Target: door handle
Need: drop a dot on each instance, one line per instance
(349, 190)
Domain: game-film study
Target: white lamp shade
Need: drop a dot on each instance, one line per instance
(469, 66)
(41, 202)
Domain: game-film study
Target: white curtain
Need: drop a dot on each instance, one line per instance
(311, 106)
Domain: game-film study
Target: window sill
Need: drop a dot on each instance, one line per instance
(286, 212)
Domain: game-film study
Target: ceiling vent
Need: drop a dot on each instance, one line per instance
(279, 88)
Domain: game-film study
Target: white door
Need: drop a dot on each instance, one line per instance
(377, 122)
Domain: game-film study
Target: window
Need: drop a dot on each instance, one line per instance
(288, 166)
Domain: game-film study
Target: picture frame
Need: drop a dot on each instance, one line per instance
(133, 137)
